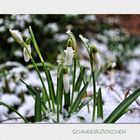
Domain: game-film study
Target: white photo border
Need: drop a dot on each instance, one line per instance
(69, 131)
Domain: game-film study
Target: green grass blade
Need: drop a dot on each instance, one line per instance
(11, 108)
(119, 110)
(99, 104)
(38, 116)
(79, 80)
(78, 99)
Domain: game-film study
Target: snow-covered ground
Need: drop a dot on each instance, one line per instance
(114, 87)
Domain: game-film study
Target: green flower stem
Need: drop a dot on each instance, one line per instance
(47, 73)
(73, 81)
(94, 95)
(1, 103)
(94, 86)
(36, 68)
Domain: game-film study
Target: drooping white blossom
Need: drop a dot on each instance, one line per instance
(66, 82)
(69, 52)
(17, 36)
(26, 53)
(97, 61)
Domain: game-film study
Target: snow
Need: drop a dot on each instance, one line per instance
(114, 84)
(112, 94)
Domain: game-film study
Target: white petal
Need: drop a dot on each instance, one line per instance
(25, 53)
(69, 56)
(69, 32)
(97, 61)
(66, 83)
(85, 40)
(17, 35)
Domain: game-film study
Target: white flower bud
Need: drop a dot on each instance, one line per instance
(69, 32)
(97, 61)
(66, 82)
(85, 40)
(69, 55)
(25, 53)
(17, 36)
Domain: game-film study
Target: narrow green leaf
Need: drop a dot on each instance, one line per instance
(38, 116)
(47, 72)
(119, 110)
(99, 104)
(49, 65)
(79, 79)
(11, 108)
(30, 89)
(78, 99)
(33, 94)
(73, 80)
(59, 92)
(51, 86)
(67, 100)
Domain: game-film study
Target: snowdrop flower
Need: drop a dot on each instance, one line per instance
(26, 53)
(17, 36)
(66, 80)
(96, 59)
(85, 40)
(69, 52)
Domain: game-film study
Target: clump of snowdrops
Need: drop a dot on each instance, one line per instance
(69, 96)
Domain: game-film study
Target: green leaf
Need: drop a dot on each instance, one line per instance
(120, 109)
(30, 89)
(59, 92)
(99, 104)
(33, 94)
(73, 80)
(79, 79)
(11, 108)
(38, 116)
(47, 72)
(79, 98)
(49, 65)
